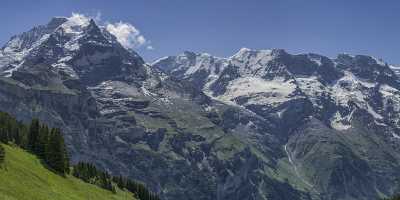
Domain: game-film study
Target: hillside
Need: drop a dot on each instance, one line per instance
(22, 176)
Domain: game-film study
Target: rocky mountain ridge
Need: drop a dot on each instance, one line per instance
(349, 102)
(258, 125)
(273, 77)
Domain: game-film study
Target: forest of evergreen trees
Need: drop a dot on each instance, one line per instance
(90, 174)
(137, 188)
(48, 144)
(397, 197)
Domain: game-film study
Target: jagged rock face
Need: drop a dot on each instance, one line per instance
(258, 125)
(132, 119)
(336, 120)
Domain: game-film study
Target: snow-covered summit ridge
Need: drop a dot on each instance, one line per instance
(34, 37)
(269, 79)
(257, 62)
(60, 41)
(20, 46)
(192, 62)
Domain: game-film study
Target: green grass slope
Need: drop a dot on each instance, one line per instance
(23, 177)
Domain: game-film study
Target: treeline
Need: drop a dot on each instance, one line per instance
(396, 197)
(90, 174)
(137, 188)
(12, 131)
(48, 144)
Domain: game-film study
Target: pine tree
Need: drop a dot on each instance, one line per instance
(66, 158)
(57, 158)
(22, 140)
(3, 135)
(17, 137)
(2, 154)
(33, 135)
(105, 181)
(43, 141)
(396, 197)
(121, 183)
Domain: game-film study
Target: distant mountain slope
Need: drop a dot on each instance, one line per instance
(116, 111)
(261, 124)
(337, 120)
(23, 177)
(265, 80)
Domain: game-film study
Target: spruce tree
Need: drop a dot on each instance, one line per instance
(66, 157)
(43, 141)
(2, 154)
(33, 135)
(23, 135)
(57, 158)
(120, 182)
(396, 197)
(3, 135)
(17, 136)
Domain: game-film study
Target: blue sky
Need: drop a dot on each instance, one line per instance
(222, 27)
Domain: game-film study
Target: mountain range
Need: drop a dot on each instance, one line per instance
(261, 124)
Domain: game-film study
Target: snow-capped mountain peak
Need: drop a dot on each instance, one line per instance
(246, 52)
(19, 46)
(72, 46)
(75, 24)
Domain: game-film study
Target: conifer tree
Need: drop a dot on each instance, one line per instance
(396, 197)
(66, 157)
(43, 141)
(120, 182)
(23, 131)
(2, 154)
(17, 137)
(33, 135)
(3, 135)
(57, 158)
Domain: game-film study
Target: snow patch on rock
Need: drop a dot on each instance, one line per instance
(395, 136)
(263, 91)
(340, 123)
